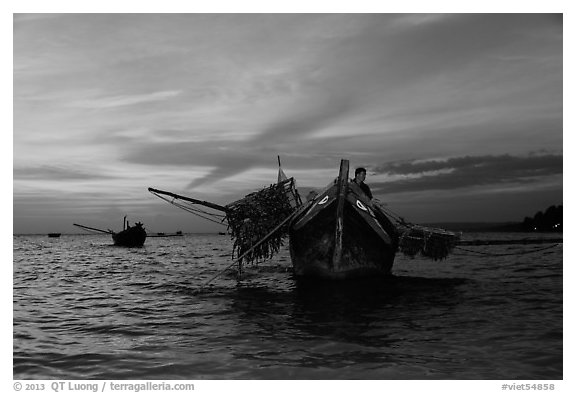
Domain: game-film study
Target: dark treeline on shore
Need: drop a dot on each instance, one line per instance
(549, 221)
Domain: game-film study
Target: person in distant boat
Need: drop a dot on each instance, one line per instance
(359, 177)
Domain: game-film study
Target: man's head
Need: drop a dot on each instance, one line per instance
(360, 174)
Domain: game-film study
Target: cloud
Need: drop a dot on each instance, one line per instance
(231, 156)
(461, 172)
(123, 100)
(367, 69)
(298, 123)
(201, 98)
(412, 20)
(34, 17)
(47, 172)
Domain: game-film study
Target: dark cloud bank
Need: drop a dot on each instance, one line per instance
(468, 171)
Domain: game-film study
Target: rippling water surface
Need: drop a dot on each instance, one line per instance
(84, 309)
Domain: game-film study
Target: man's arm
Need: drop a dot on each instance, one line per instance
(367, 190)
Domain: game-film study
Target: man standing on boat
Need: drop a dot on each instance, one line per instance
(359, 177)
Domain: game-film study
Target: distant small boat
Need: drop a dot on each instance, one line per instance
(163, 234)
(54, 234)
(129, 237)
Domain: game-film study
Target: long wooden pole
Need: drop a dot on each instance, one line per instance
(94, 229)
(184, 198)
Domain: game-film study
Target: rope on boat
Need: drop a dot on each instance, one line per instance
(390, 213)
(196, 211)
(506, 254)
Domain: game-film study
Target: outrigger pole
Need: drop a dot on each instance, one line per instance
(94, 229)
(191, 200)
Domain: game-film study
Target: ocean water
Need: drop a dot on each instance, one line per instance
(84, 309)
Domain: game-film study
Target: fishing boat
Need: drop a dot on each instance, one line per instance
(130, 236)
(337, 234)
(54, 234)
(163, 234)
(134, 236)
(342, 234)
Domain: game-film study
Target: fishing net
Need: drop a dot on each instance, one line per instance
(434, 243)
(253, 217)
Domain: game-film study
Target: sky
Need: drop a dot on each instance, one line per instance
(457, 117)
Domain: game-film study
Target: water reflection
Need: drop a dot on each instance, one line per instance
(323, 324)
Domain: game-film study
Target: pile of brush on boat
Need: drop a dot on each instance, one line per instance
(130, 236)
(339, 233)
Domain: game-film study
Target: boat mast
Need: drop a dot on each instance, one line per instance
(341, 195)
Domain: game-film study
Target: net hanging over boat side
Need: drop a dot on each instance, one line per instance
(432, 243)
(257, 214)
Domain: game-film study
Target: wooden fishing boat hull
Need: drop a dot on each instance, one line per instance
(364, 254)
(131, 237)
(342, 236)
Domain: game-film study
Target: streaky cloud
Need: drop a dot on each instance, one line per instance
(486, 162)
(467, 171)
(107, 102)
(48, 172)
(298, 123)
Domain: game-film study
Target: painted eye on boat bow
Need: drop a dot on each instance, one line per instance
(361, 206)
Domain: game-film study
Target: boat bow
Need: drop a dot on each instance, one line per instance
(341, 235)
